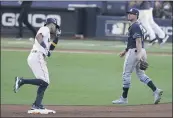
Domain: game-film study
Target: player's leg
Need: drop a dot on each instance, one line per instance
(126, 76)
(39, 68)
(146, 80)
(157, 29)
(42, 86)
(40, 94)
(40, 71)
(41, 89)
(144, 19)
(20, 81)
(33, 60)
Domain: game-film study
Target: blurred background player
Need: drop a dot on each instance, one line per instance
(23, 18)
(146, 19)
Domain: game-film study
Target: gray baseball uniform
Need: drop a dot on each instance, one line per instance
(135, 33)
(131, 63)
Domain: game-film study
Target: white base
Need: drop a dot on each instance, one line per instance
(41, 111)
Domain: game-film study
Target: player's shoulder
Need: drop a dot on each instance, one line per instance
(44, 28)
(136, 25)
(44, 31)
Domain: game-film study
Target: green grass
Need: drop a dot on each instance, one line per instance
(83, 79)
(86, 44)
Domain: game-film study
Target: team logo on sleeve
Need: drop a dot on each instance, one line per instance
(137, 35)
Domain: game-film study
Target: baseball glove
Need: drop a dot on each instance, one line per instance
(143, 65)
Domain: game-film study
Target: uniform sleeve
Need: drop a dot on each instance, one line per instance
(136, 31)
(44, 31)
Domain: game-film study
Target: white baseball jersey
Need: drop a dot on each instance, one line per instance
(46, 38)
(36, 59)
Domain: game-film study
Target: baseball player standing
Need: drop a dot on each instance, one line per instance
(135, 52)
(36, 60)
(146, 18)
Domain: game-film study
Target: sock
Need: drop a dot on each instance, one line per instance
(125, 92)
(151, 85)
(37, 82)
(40, 95)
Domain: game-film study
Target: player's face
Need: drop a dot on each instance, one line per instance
(131, 17)
(53, 28)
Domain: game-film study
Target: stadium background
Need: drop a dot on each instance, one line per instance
(85, 73)
(92, 19)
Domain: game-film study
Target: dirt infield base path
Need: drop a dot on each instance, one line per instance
(160, 110)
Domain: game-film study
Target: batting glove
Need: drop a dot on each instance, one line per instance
(48, 53)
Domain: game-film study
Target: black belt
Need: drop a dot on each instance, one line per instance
(133, 48)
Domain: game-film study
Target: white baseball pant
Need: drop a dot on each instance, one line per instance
(146, 18)
(38, 65)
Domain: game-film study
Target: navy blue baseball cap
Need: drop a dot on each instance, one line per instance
(133, 11)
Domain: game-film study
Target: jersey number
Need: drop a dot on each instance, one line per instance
(144, 31)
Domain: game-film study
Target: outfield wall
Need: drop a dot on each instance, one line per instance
(109, 27)
(93, 24)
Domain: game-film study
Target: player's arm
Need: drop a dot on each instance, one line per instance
(55, 41)
(124, 51)
(42, 33)
(39, 38)
(138, 37)
(139, 45)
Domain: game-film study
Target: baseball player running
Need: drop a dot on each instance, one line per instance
(135, 54)
(36, 60)
(146, 18)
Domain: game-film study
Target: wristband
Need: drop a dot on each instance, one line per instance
(53, 44)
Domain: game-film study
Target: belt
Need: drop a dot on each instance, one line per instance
(36, 51)
(133, 48)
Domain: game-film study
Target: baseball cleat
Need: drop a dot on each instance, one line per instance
(37, 107)
(120, 101)
(164, 40)
(17, 84)
(157, 95)
(152, 42)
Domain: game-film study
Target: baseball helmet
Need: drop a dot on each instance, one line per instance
(133, 11)
(52, 20)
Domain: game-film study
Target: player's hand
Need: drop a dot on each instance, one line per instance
(122, 54)
(48, 53)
